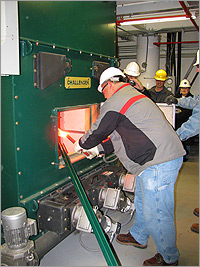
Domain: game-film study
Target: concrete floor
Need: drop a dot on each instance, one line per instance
(82, 249)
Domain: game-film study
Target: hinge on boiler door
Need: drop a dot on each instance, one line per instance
(49, 68)
(98, 67)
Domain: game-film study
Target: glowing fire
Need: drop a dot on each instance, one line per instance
(64, 134)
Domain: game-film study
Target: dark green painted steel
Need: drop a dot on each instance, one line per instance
(27, 125)
(103, 243)
(9, 179)
(82, 25)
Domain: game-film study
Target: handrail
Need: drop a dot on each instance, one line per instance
(103, 243)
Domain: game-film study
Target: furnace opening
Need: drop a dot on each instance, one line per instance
(72, 123)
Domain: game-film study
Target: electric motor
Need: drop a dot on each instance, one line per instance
(18, 249)
(17, 228)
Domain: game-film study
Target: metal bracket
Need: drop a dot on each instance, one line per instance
(49, 68)
(98, 67)
(26, 48)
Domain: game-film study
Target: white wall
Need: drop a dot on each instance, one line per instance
(9, 38)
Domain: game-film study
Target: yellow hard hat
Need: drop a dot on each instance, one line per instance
(161, 75)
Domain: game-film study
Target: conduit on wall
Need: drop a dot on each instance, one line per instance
(188, 14)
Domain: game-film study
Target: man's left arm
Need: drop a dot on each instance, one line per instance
(188, 102)
(189, 128)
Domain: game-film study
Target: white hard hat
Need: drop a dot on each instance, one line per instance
(110, 73)
(132, 69)
(184, 83)
(197, 62)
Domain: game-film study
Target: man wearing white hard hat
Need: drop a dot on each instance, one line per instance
(183, 114)
(136, 130)
(132, 72)
(185, 88)
(189, 128)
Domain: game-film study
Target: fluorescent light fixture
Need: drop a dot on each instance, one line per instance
(152, 20)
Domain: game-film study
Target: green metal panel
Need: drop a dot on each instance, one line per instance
(28, 146)
(82, 25)
(9, 183)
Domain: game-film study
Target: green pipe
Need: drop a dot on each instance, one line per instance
(103, 243)
(65, 47)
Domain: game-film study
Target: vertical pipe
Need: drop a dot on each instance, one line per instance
(148, 53)
(168, 54)
(178, 64)
(174, 55)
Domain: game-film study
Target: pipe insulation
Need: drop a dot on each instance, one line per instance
(148, 56)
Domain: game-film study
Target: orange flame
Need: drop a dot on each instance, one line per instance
(62, 133)
(65, 135)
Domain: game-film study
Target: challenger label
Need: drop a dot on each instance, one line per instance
(77, 82)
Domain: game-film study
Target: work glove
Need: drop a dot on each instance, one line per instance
(88, 153)
(91, 153)
(171, 100)
(77, 147)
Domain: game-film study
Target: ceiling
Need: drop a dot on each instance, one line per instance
(127, 10)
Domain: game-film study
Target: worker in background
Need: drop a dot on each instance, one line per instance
(184, 89)
(189, 128)
(132, 72)
(183, 114)
(148, 147)
(159, 92)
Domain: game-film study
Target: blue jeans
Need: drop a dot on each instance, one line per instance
(154, 203)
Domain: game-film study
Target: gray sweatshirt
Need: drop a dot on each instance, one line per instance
(135, 129)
